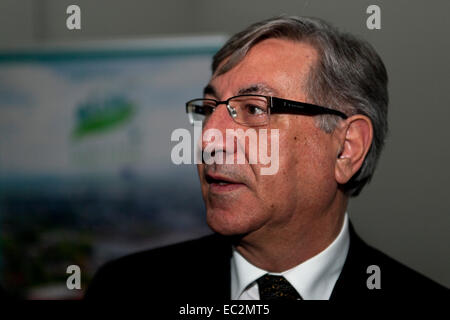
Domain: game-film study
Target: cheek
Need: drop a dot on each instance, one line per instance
(306, 164)
(273, 190)
(316, 165)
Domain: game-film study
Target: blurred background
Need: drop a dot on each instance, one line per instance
(86, 118)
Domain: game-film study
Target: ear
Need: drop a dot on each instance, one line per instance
(355, 141)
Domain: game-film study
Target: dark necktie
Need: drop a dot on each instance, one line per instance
(276, 288)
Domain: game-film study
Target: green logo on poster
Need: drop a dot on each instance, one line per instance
(95, 115)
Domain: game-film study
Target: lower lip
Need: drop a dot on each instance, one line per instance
(217, 188)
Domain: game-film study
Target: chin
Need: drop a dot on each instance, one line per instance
(229, 222)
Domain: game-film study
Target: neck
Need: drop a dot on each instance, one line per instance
(282, 248)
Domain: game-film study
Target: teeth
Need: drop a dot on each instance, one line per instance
(222, 183)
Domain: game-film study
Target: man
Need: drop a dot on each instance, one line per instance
(284, 235)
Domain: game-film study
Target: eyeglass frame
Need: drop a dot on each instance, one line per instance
(276, 106)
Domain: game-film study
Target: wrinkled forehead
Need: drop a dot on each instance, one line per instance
(271, 67)
(235, 57)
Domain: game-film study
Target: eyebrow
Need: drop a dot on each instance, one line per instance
(210, 90)
(259, 88)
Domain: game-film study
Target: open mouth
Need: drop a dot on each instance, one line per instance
(219, 183)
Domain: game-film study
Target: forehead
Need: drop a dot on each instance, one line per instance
(277, 64)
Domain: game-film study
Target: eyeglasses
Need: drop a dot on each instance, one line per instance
(253, 110)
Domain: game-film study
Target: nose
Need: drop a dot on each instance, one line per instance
(221, 117)
(214, 130)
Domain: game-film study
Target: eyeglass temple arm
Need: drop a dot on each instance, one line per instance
(288, 106)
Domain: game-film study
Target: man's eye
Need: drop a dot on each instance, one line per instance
(206, 110)
(254, 110)
(209, 110)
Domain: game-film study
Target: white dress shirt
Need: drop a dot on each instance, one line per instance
(314, 279)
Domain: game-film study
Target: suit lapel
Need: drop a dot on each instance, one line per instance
(218, 275)
(352, 280)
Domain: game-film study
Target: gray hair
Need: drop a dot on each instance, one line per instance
(349, 76)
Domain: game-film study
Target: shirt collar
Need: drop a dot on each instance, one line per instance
(314, 278)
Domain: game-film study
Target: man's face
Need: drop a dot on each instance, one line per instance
(304, 184)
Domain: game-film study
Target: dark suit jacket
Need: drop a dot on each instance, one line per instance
(199, 270)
